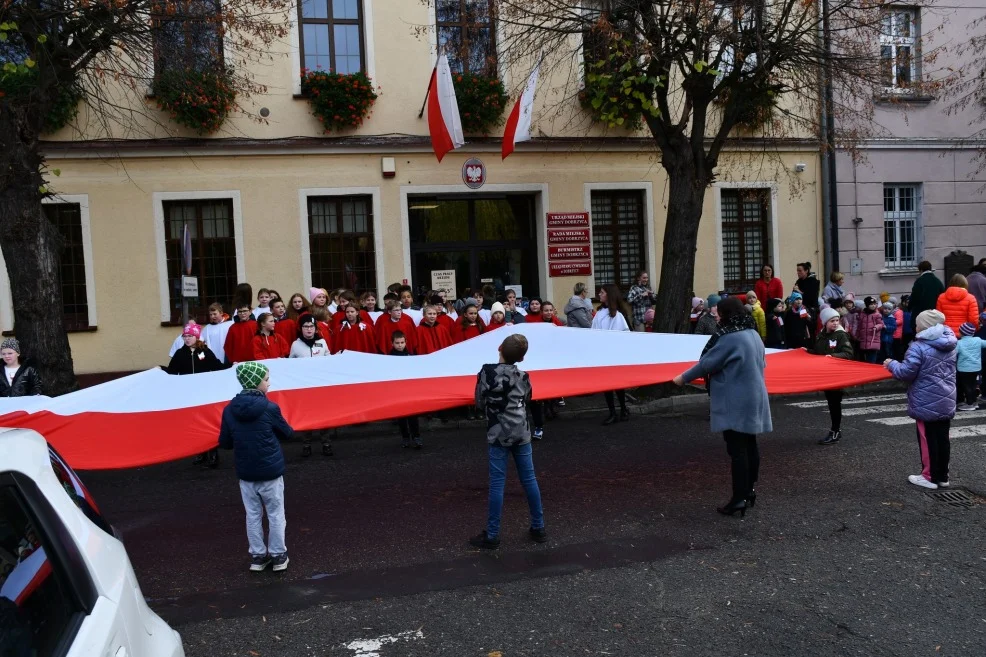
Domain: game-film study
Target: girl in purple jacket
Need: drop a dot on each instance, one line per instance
(929, 370)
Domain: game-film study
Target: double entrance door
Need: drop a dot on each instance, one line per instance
(487, 240)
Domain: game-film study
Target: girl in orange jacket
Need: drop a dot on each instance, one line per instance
(957, 304)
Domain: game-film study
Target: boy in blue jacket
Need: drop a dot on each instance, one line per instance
(251, 427)
(970, 351)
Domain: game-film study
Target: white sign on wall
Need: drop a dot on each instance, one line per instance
(443, 281)
(189, 286)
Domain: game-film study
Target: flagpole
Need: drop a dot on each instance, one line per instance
(431, 78)
(186, 267)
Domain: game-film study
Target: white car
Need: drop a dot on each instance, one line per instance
(66, 583)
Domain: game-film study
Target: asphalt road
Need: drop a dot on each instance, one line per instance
(841, 556)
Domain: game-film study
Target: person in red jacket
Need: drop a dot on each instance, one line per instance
(354, 334)
(498, 315)
(549, 314)
(430, 336)
(346, 299)
(534, 310)
(239, 341)
(267, 343)
(768, 287)
(285, 327)
(958, 305)
(393, 319)
(470, 325)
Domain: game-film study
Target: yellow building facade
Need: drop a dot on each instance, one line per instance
(282, 205)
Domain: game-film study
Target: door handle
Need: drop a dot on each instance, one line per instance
(121, 652)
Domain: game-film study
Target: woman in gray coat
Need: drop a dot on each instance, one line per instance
(732, 365)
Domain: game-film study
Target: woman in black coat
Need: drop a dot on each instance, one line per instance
(19, 379)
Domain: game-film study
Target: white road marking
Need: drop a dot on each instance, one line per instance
(851, 400)
(969, 431)
(898, 421)
(372, 647)
(873, 410)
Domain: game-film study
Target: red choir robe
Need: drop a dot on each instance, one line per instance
(533, 317)
(288, 329)
(340, 317)
(355, 337)
(554, 320)
(447, 322)
(239, 341)
(462, 332)
(493, 325)
(270, 346)
(430, 339)
(385, 328)
(325, 330)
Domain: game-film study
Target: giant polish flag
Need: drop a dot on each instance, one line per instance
(153, 417)
(443, 111)
(519, 122)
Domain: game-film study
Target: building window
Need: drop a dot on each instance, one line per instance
(618, 244)
(332, 35)
(467, 33)
(899, 48)
(340, 234)
(602, 19)
(210, 226)
(67, 219)
(188, 36)
(901, 216)
(745, 236)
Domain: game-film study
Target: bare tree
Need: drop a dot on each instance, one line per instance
(697, 74)
(965, 86)
(106, 54)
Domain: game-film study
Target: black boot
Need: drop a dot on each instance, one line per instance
(732, 507)
(612, 419)
(751, 499)
(306, 450)
(831, 439)
(212, 459)
(327, 450)
(624, 414)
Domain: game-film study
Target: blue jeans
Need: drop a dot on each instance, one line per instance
(498, 478)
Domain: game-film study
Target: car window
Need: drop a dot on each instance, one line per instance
(36, 609)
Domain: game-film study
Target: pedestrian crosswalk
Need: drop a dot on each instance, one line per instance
(893, 413)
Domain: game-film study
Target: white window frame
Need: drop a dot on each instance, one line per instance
(774, 222)
(6, 298)
(294, 44)
(160, 241)
(898, 216)
(377, 209)
(894, 41)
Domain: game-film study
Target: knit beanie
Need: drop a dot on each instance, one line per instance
(968, 328)
(11, 343)
(192, 329)
(250, 375)
(497, 308)
(869, 301)
(713, 300)
(795, 296)
(307, 319)
(649, 316)
(927, 319)
(888, 306)
(314, 292)
(884, 297)
(827, 314)
(696, 302)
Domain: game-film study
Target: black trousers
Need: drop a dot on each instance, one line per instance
(323, 435)
(742, 449)
(936, 450)
(537, 414)
(409, 427)
(611, 402)
(965, 389)
(834, 398)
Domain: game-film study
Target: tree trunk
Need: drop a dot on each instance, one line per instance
(32, 251)
(686, 193)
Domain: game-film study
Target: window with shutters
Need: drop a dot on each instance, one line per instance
(210, 225)
(618, 245)
(340, 234)
(67, 219)
(332, 35)
(745, 223)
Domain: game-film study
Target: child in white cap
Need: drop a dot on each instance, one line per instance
(833, 342)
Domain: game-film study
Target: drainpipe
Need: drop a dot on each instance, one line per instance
(829, 190)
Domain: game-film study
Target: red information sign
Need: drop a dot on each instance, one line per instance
(568, 220)
(570, 268)
(569, 252)
(568, 235)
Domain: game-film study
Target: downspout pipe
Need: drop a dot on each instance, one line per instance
(829, 179)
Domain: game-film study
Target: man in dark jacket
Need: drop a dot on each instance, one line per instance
(924, 295)
(809, 287)
(251, 427)
(19, 379)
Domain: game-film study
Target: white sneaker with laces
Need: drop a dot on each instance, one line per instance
(919, 480)
(943, 484)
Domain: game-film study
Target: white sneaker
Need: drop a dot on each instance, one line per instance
(919, 480)
(943, 484)
(966, 407)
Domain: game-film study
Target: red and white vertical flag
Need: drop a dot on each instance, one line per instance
(519, 123)
(443, 111)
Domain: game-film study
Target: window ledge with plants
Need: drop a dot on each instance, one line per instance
(484, 99)
(339, 101)
(199, 100)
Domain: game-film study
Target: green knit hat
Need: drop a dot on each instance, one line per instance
(250, 375)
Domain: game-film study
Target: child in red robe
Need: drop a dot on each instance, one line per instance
(285, 327)
(392, 320)
(430, 336)
(533, 310)
(354, 334)
(549, 314)
(267, 343)
(346, 299)
(498, 316)
(239, 340)
(470, 325)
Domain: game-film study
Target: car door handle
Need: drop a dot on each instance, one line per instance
(121, 652)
